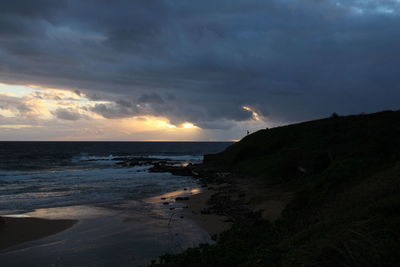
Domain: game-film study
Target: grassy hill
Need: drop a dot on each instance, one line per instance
(344, 173)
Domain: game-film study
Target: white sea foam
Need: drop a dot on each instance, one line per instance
(111, 158)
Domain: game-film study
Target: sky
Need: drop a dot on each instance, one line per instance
(160, 70)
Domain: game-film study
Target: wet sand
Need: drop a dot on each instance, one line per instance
(126, 233)
(14, 231)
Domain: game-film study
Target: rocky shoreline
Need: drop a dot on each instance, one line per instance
(227, 199)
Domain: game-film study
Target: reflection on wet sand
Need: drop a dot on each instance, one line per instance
(127, 233)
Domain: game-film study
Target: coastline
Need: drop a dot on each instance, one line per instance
(18, 230)
(132, 231)
(279, 213)
(187, 217)
(317, 196)
(226, 198)
(221, 201)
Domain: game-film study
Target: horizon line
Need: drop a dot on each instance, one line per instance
(143, 141)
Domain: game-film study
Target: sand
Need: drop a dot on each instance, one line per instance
(14, 231)
(212, 223)
(255, 196)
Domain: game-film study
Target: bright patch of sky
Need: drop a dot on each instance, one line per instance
(15, 90)
(52, 114)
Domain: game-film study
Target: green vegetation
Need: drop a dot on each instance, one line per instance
(345, 175)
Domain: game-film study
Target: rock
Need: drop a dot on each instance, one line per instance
(163, 198)
(171, 208)
(205, 211)
(165, 203)
(181, 198)
(166, 167)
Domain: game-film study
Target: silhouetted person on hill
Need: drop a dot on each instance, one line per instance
(248, 132)
(334, 115)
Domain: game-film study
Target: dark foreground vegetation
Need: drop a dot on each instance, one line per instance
(344, 173)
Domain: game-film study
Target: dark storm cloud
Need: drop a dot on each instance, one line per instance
(201, 61)
(115, 111)
(68, 114)
(37, 8)
(151, 98)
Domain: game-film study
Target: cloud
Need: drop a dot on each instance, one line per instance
(114, 111)
(150, 98)
(202, 61)
(15, 104)
(68, 114)
(39, 8)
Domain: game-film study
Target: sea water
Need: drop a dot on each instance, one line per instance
(37, 175)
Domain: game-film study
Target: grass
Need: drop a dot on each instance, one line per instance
(345, 173)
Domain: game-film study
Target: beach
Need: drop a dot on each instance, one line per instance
(214, 224)
(90, 203)
(127, 210)
(129, 233)
(137, 231)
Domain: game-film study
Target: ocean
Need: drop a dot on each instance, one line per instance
(36, 175)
